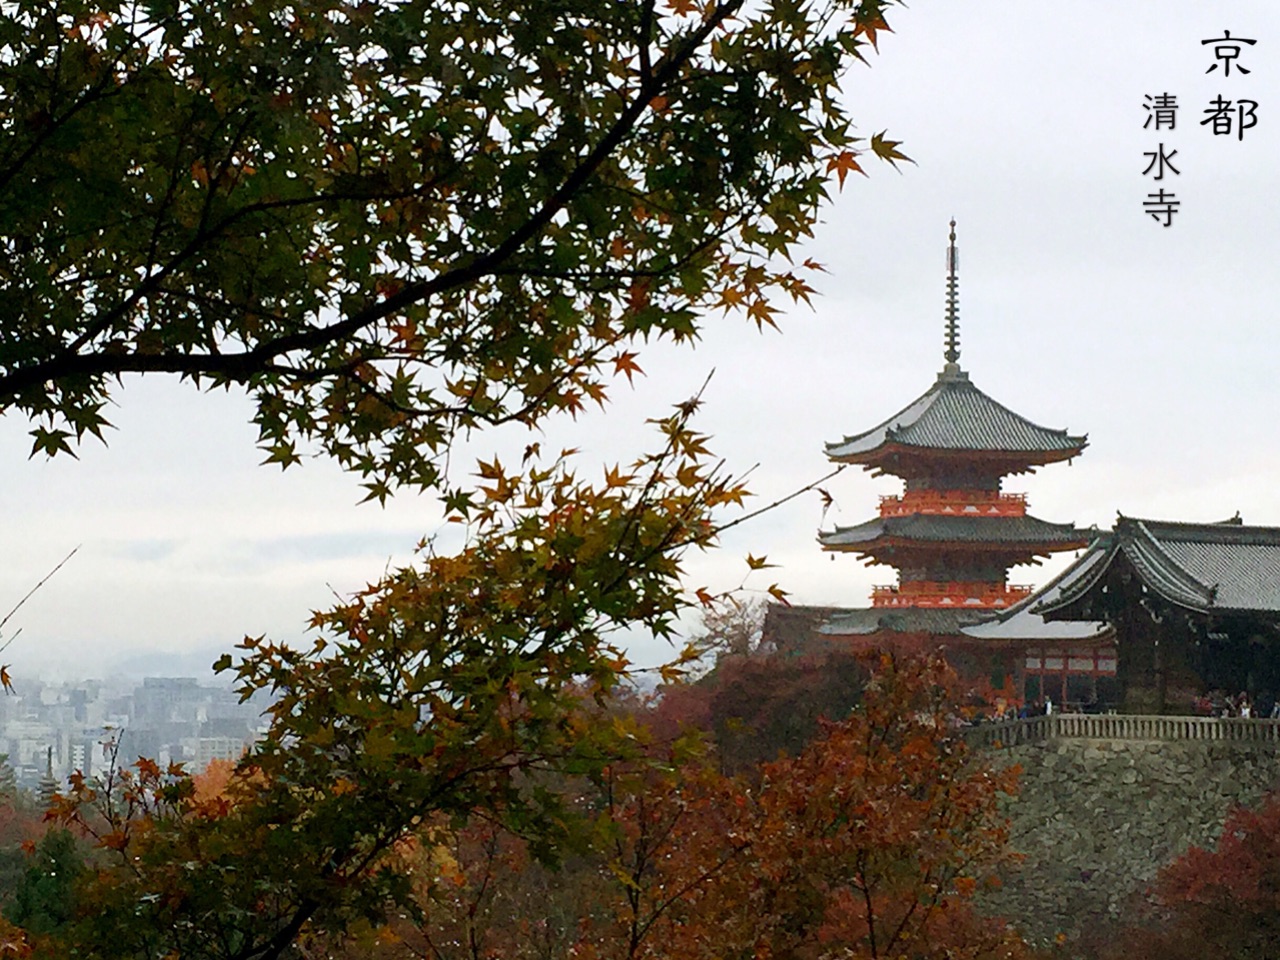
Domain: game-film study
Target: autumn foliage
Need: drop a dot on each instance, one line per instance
(1222, 903)
(393, 225)
(465, 688)
(755, 707)
(869, 843)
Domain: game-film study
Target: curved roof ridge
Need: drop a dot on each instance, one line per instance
(1231, 530)
(883, 427)
(1066, 578)
(1162, 572)
(955, 415)
(1026, 618)
(1088, 575)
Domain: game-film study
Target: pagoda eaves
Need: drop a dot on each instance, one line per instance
(955, 418)
(990, 533)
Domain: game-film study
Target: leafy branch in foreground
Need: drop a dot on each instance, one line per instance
(453, 688)
(392, 222)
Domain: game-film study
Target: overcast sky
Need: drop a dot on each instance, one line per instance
(1078, 310)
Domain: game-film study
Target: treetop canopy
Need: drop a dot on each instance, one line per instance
(394, 221)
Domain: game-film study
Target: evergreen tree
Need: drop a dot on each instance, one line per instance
(44, 899)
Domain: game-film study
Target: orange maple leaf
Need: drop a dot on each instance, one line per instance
(762, 313)
(842, 163)
(870, 28)
(626, 363)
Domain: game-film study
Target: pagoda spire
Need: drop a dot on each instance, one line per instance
(48, 786)
(952, 340)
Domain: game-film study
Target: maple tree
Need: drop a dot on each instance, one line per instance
(868, 843)
(451, 688)
(392, 223)
(389, 222)
(1222, 902)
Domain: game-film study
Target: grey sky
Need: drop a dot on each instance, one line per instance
(1077, 310)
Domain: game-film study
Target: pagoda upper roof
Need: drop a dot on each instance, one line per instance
(1207, 568)
(937, 529)
(954, 416)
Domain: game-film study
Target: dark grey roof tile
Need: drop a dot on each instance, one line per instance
(867, 620)
(1206, 567)
(935, 528)
(955, 415)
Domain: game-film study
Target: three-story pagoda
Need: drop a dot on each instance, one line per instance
(954, 532)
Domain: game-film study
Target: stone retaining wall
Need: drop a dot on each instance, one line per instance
(1096, 818)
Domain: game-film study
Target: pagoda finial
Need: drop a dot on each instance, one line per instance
(952, 340)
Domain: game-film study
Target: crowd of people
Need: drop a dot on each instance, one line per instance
(1005, 710)
(1218, 703)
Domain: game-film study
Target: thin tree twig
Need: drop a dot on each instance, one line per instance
(777, 503)
(18, 605)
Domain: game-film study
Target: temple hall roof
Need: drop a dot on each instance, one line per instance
(791, 628)
(936, 529)
(1204, 567)
(955, 416)
(1022, 621)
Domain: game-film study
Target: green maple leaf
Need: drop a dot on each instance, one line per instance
(888, 149)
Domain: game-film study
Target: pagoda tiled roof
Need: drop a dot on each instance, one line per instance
(798, 629)
(863, 621)
(1204, 567)
(929, 528)
(956, 416)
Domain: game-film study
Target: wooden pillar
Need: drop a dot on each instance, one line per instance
(1138, 667)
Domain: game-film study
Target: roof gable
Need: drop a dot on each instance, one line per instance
(1023, 621)
(1204, 567)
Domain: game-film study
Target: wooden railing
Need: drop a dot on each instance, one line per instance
(955, 503)
(948, 594)
(1076, 726)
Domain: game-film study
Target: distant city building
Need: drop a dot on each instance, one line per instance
(50, 730)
